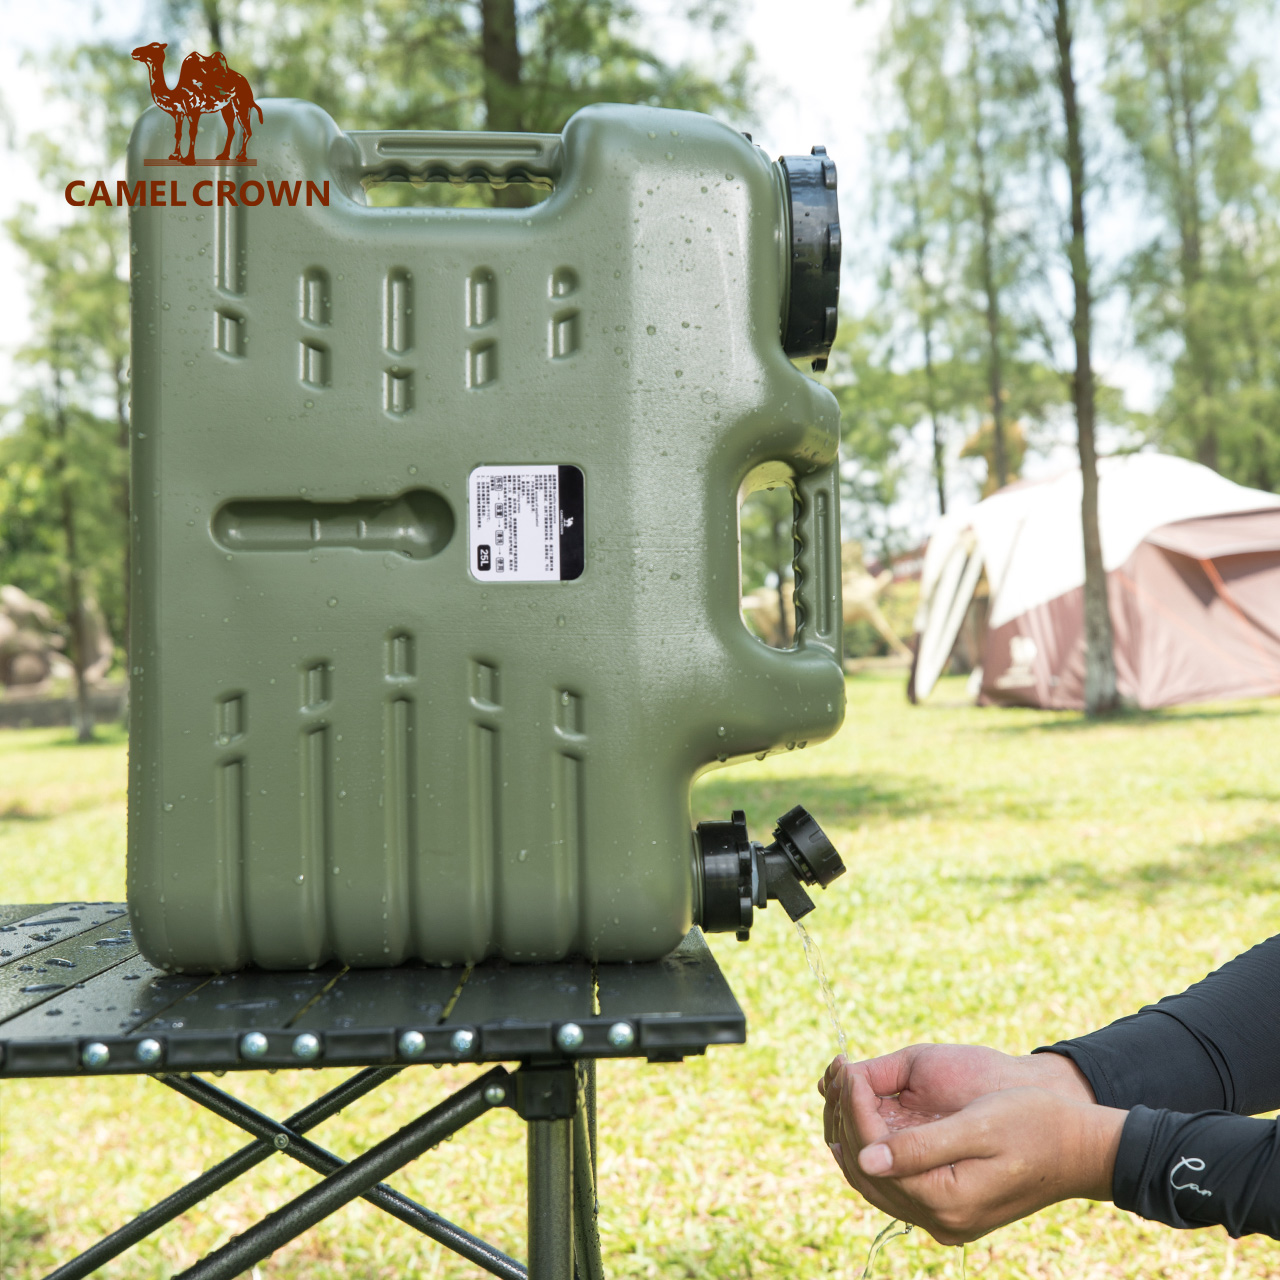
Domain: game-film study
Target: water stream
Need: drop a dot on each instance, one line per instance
(889, 1231)
(893, 1228)
(818, 969)
(814, 957)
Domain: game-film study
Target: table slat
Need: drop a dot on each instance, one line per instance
(249, 1000)
(516, 1008)
(53, 969)
(117, 1001)
(11, 913)
(51, 926)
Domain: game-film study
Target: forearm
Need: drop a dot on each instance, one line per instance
(1214, 1046)
(1213, 1168)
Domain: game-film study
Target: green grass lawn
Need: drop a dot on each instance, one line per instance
(1014, 877)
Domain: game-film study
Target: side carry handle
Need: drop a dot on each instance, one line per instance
(819, 613)
(497, 159)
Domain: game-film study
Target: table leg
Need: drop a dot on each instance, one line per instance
(585, 1202)
(219, 1176)
(351, 1181)
(551, 1229)
(326, 1163)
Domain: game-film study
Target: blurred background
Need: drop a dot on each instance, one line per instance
(957, 357)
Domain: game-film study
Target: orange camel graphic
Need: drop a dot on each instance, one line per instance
(204, 84)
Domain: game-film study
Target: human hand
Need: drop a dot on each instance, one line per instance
(924, 1082)
(996, 1159)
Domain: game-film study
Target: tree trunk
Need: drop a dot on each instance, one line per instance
(500, 58)
(75, 582)
(213, 21)
(1100, 694)
(930, 375)
(1169, 55)
(990, 287)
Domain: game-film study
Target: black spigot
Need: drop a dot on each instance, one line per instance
(739, 874)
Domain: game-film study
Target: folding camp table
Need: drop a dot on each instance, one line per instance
(76, 999)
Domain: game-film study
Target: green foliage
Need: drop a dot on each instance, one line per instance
(956, 341)
(397, 64)
(879, 406)
(968, 337)
(1185, 90)
(64, 453)
(766, 524)
(64, 459)
(33, 552)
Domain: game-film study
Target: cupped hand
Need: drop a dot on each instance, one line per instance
(925, 1082)
(997, 1158)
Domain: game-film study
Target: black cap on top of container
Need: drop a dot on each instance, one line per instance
(809, 328)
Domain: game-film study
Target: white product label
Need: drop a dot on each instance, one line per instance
(526, 523)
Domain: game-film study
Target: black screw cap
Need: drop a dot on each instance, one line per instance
(813, 306)
(807, 847)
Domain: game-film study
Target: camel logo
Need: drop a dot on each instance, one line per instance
(205, 84)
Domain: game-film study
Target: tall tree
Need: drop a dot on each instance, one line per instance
(464, 64)
(880, 404)
(964, 105)
(1100, 694)
(61, 537)
(78, 357)
(984, 196)
(999, 96)
(915, 167)
(1186, 96)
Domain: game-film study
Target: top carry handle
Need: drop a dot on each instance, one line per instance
(442, 156)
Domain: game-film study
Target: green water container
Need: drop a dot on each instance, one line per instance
(435, 559)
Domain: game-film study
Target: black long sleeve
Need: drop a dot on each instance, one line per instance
(1189, 1069)
(1213, 1047)
(1211, 1169)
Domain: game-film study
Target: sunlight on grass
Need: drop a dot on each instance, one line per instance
(1014, 877)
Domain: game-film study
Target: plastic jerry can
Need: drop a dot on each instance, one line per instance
(435, 560)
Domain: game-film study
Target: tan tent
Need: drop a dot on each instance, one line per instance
(1193, 576)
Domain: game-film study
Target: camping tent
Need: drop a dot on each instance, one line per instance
(1193, 579)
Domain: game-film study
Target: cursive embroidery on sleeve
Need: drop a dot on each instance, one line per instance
(1196, 1165)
